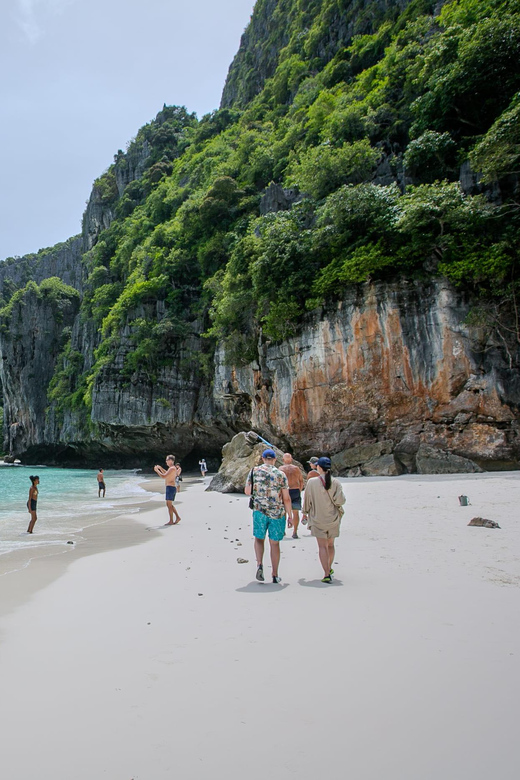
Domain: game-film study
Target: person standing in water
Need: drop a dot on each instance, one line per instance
(169, 475)
(32, 502)
(101, 483)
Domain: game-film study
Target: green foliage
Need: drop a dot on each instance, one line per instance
(66, 390)
(430, 157)
(359, 265)
(433, 215)
(471, 74)
(497, 154)
(323, 169)
(53, 290)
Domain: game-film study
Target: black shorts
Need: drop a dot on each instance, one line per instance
(296, 498)
(171, 492)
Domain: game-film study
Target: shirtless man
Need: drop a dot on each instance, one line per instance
(169, 475)
(101, 483)
(295, 480)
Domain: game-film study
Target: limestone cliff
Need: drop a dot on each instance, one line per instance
(62, 260)
(31, 340)
(391, 364)
(278, 25)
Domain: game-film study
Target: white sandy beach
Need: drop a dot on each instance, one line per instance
(166, 658)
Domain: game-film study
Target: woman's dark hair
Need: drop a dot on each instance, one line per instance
(33, 479)
(328, 479)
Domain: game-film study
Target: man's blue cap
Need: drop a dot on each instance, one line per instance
(269, 454)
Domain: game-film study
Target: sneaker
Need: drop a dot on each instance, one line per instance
(260, 573)
(331, 572)
(295, 535)
(276, 580)
(327, 579)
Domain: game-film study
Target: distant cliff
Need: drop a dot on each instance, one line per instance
(62, 260)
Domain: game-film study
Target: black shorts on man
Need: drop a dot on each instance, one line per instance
(171, 492)
(296, 498)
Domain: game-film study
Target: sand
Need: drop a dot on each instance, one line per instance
(167, 658)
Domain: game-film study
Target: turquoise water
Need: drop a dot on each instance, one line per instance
(67, 502)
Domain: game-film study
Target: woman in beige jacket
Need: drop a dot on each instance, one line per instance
(323, 505)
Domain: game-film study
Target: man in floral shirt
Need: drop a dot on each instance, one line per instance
(271, 501)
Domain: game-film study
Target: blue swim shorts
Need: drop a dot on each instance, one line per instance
(296, 498)
(171, 492)
(263, 524)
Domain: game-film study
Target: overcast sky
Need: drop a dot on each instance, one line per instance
(78, 79)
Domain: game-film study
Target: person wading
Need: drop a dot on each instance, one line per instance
(101, 483)
(32, 503)
(271, 500)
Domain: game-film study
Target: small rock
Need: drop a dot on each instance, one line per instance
(70, 542)
(483, 523)
(200, 594)
(242, 560)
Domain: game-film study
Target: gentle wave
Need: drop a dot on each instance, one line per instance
(67, 503)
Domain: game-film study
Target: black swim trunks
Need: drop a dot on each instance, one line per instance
(101, 485)
(296, 498)
(171, 492)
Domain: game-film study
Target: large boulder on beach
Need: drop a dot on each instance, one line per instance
(353, 457)
(431, 460)
(384, 466)
(238, 458)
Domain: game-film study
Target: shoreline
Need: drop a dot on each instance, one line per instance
(24, 576)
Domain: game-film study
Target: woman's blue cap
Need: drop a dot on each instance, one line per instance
(269, 454)
(324, 463)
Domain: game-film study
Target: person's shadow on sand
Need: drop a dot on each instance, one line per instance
(262, 587)
(318, 583)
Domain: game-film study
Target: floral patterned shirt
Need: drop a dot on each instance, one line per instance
(268, 483)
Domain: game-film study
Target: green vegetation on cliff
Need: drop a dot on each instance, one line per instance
(364, 115)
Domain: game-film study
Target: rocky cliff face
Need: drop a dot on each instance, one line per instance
(392, 369)
(30, 343)
(393, 363)
(63, 261)
(100, 211)
(275, 23)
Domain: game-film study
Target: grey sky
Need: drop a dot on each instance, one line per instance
(79, 78)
